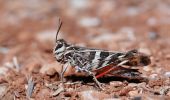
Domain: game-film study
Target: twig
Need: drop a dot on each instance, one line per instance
(30, 88)
(15, 61)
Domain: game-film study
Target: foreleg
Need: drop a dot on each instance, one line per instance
(63, 70)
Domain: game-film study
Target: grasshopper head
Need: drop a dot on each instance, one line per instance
(59, 49)
(60, 46)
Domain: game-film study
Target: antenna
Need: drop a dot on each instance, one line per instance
(59, 27)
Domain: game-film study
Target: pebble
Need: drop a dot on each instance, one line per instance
(44, 69)
(153, 76)
(167, 56)
(2, 89)
(152, 21)
(127, 33)
(116, 83)
(58, 91)
(87, 95)
(55, 67)
(158, 70)
(9, 64)
(153, 35)
(51, 71)
(3, 70)
(137, 98)
(90, 22)
(147, 68)
(133, 93)
(112, 99)
(79, 4)
(132, 84)
(93, 95)
(132, 11)
(145, 50)
(4, 50)
(168, 93)
(167, 74)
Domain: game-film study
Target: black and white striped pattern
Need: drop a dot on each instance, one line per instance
(93, 59)
(84, 57)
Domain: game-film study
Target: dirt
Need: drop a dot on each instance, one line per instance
(28, 69)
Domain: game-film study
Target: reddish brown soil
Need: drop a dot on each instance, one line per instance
(27, 38)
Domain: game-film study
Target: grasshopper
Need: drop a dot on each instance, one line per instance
(95, 62)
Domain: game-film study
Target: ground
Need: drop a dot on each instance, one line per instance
(28, 68)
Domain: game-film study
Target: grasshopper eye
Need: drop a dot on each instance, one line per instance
(59, 45)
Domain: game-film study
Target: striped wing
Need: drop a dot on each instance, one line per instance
(104, 58)
(93, 59)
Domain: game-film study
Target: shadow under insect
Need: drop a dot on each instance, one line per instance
(130, 75)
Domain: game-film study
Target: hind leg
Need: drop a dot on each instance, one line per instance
(95, 80)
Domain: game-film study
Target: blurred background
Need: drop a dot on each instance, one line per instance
(28, 29)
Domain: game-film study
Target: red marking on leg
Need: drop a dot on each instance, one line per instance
(107, 70)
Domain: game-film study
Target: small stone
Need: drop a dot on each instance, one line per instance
(51, 71)
(133, 93)
(158, 70)
(125, 91)
(87, 95)
(145, 50)
(3, 70)
(167, 56)
(93, 95)
(57, 67)
(4, 50)
(128, 33)
(137, 98)
(153, 35)
(153, 76)
(47, 67)
(152, 21)
(58, 91)
(168, 93)
(116, 83)
(132, 84)
(79, 4)
(164, 90)
(167, 74)
(2, 89)
(89, 22)
(132, 11)
(113, 98)
(147, 68)
(9, 65)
